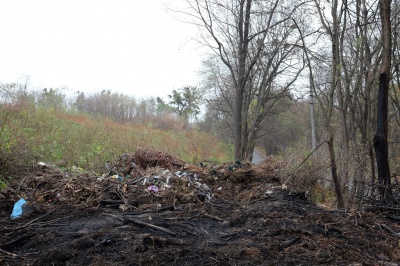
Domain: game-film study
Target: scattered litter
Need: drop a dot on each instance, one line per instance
(117, 177)
(201, 196)
(269, 192)
(153, 189)
(123, 207)
(17, 211)
(41, 164)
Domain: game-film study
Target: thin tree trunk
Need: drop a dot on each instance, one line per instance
(369, 79)
(335, 86)
(335, 178)
(238, 125)
(380, 139)
(332, 30)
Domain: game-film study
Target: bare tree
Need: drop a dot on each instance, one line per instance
(254, 40)
(359, 59)
(381, 136)
(332, 29)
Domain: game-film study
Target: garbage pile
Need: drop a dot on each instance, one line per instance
(150, 208)
(146, 179)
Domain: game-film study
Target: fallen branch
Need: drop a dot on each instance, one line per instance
(230, 236)
(115, 216)
(28, 235)
(213, 217)
(134, 221)
(109, 202)
(391, 230)
(8, 253)
(34, 220)
(150, 225)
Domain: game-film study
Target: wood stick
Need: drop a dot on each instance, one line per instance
(115, 216)
(141, 223)
(213, 217)
(34, 220)
(230, 236)
(112, 202)
(150, 225)
(391, 230)
(17, 239)
(8, 253)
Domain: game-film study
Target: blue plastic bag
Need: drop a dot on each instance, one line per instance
(17, 211)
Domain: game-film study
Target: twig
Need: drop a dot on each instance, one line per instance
(167, 208)
(294, 170)
(34, 220)
(230, 236)
(308, 156)
(256, 200)
(190, 218)
(20, 184)
(8, 253)
(391, 230)
(213, 217)
(133, 213)
(205, 232)
(151, 226)
(121, 197)
(141, 223)
(112, 202)
(28, 235)
(115, 216)
(191, 232)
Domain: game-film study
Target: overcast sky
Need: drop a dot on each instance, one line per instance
(129, 46)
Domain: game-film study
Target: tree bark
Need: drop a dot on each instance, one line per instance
(243, 26)
(380, 139)
(335, 86)
(335, 177)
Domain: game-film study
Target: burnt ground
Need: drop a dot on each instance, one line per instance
(208, 215)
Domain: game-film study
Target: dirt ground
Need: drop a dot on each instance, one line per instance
(153, 209)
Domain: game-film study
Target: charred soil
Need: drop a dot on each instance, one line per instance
(151, 209)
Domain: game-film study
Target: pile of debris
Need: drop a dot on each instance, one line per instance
(151, 208)
(143, 180)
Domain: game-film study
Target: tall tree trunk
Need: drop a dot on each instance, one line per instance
(335, 177)
(380, 139)
(343, 93)
(244, 27)
(335, 86)
(369, 79)
(333, 31)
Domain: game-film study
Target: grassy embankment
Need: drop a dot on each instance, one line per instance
(29, 135)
